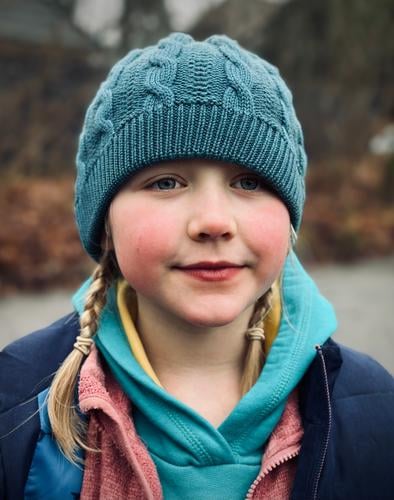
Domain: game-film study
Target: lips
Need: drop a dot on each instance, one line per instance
(210, 265)
(212, 271)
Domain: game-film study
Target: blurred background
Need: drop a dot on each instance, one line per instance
(336, 56)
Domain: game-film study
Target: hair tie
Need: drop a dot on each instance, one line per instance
(255, 333)
(83, 344)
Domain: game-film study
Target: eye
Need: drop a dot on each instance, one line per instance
(249, 183)
(164, 184)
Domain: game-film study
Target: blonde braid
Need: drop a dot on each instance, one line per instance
(254, 359)
(68, 428)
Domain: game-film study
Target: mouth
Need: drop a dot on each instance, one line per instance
(211, 265)
(211, 271)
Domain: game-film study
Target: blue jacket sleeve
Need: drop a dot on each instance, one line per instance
(27, 367)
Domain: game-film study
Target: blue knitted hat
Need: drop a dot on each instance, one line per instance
(187, 99)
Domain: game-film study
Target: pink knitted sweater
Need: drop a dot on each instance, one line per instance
(124, 469)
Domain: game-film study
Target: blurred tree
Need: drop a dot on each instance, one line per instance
(65, 10)
(243, 21)
(338, 57)
(66, 7)
(143, 22)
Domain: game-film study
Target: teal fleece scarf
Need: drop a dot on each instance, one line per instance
(192, 457)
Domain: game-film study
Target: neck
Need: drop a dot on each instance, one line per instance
(176, 347)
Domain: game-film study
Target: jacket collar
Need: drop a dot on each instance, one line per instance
(316, 389)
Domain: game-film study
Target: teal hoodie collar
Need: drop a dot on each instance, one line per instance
(175, 434)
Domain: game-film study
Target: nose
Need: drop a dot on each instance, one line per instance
(212, 220)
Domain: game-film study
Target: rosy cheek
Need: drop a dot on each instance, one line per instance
(143, 238)
(271, 233)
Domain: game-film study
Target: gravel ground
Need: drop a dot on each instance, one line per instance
(362, 293)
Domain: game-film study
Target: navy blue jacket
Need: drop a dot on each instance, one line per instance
(346, 404)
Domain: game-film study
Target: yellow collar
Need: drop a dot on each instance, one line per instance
(272, 320)
(127, 305)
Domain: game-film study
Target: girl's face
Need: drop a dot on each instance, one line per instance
(199, 213)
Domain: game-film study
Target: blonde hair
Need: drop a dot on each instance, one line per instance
(68, 428)
(255, 354)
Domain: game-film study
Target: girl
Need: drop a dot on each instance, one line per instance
(198, 363)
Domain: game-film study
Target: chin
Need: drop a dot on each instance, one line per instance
(215, 312)
(211, 321)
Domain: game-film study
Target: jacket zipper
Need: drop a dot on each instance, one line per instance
(315, 488)
(258, 479)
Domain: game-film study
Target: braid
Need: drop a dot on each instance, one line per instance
(255, 354)
(68, 428)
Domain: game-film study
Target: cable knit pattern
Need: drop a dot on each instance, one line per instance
(290, 123)
(183, 98)
(238, 95)
(161, 73)
(96, 137)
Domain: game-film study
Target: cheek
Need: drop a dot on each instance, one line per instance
(269, 235)
(142, 238)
